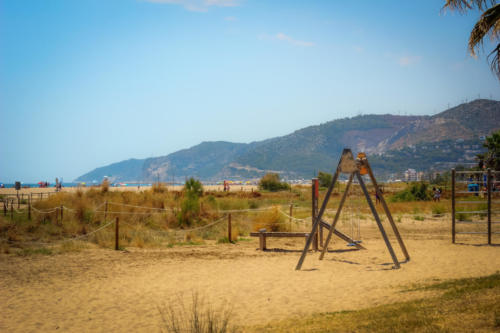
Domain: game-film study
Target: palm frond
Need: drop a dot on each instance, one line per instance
(489, 23)
(464, 5)
(495, 62)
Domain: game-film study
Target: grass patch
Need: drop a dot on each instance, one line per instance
(34, 251)
(198, 316)
(465, 305)
(419, 218)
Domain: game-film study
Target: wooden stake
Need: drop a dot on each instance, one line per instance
(489, 206)
(117, 232)
(453, 206)
(62, 214)
(5, 208)
(229, 228)
(314, 207)
(105, 210)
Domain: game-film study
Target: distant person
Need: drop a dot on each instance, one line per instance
(437, 194)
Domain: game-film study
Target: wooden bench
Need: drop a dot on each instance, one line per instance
(263, 234)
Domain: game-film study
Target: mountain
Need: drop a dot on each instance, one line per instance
(393, 143)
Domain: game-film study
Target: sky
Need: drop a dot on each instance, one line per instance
(86, 83)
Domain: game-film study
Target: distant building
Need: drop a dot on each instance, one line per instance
(411, 175)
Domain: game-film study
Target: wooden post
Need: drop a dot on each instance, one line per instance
(31, 197)
(62, 214)
(229, 236)
(12, 209)
(314, 207)
(291, 212)
(105, 210)
(4, 208)
(18, 201)
(57, 215)
(316, 202)
(29, 209)
(117, 232)
(262, 239)
(453, 206)
(489, 206)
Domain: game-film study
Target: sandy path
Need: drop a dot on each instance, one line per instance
(103, 290)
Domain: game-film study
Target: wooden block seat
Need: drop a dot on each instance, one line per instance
(263, 234)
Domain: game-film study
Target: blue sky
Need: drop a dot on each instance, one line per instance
(86, 83)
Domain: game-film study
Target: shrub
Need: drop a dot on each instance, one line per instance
(193, 187)
(105, 185)
(415, 192)
(159, 188)
(190, 207)
(325, 179)
(271, 182)
(271, 220)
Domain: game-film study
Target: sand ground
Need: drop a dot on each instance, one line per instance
(101, 290)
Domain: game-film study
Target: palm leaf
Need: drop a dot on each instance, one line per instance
(464, 5)
(489, 23)
(495, 62)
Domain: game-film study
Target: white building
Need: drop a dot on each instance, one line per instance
(411, 175)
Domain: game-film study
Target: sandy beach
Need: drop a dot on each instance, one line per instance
(104, 290)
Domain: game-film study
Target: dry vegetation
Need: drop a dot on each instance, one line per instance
(152, 218)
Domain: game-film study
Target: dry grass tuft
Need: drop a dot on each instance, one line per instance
(198, 316)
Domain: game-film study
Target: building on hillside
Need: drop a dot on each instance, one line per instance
(411, 175)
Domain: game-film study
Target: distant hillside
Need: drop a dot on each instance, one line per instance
(394, 143)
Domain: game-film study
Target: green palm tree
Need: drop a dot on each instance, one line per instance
(491, 158)
(488, 25)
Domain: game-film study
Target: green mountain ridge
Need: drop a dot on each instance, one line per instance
(393, 143)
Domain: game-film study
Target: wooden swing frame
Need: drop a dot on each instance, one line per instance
(348, 165)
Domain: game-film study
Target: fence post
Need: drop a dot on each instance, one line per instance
(57, 215)
(453, 206)
(18, 202)
(291, 212)
(489, 205)
(105, 210)
(29, 209)
(229, 228)
(4, 208)
(12, 209)
(117, 232)
(62, 214)
(31, 196)
(315, 191)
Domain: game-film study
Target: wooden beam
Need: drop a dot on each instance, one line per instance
(377, 219)
(317, 220)
(387, 211)
(337, 215)
(342, 236)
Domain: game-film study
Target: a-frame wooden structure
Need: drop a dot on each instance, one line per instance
(355, 168)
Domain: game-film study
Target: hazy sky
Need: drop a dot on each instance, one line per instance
(85, 83)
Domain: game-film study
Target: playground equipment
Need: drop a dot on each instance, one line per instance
(477, 189)
(354, 168)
